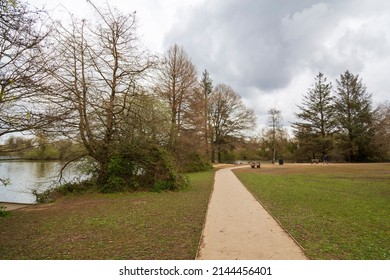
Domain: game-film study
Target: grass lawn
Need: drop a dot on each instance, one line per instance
(335, 211)
(133, 226)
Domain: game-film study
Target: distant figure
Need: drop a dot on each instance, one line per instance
(326, 159)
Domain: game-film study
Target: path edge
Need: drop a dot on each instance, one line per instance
(266, 209)
(197, 255)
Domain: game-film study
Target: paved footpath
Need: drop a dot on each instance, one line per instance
(238, 227)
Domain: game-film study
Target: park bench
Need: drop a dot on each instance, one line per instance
(315, 160)
(255, 165)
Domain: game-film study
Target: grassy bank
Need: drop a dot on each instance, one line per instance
(166, 225)
(336, 211)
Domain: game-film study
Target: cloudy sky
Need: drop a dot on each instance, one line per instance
(269, 51)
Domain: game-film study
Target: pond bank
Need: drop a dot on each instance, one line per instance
(13, 206)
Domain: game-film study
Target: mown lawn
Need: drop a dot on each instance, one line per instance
(336, 211)
(135, 226)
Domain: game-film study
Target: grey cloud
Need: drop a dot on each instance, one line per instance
(239, 40)
(245, 41)
(264, 45)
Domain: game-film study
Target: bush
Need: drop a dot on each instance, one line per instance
(44, 197)
(131, 168)
(51, 194)
(193, 162)
(4, 212)
(142, 168)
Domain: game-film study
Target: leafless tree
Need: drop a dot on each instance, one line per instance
(230, 118)
(382, 131)
(98, 73)
(274, 132)
(176, 83)
(22, 38)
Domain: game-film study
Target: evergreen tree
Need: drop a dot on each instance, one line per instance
(206, 85)
(317, 125)
(354, 114)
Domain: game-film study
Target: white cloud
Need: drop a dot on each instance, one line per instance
(270, 51)
(308, 22)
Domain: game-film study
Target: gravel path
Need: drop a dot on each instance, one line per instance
(238, 227)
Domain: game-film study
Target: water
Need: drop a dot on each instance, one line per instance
(26, 176)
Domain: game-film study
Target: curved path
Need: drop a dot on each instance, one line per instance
(238, 227)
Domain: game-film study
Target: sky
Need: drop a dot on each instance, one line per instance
(268, 51)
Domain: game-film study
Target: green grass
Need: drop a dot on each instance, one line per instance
(334, 212)
(166, 225)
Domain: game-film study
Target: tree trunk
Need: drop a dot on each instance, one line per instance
(219, 153)
(273, 156)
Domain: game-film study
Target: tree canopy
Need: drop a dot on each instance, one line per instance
(354, 116)
(230, 118)
(22, 59)
(317, 123)
(339, 122)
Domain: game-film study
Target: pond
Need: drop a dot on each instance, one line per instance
(23, 177)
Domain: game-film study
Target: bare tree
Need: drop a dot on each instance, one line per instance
(145, 120)
(382, 132)
(229, 118)
(97, 74)
(274, 132)
(176, 83)
(22, 36)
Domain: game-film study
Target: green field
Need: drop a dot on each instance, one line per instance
(336, 211)
(134, 226)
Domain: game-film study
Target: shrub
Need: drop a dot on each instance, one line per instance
(51, 194)
(193, 162)
(142, 168)
(4, 212)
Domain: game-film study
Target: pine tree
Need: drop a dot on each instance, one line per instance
(355, 117)
(317, 125)
(206, 85)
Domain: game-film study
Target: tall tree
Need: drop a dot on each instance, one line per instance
(317, 122)
(176, 83)
(382, 132)
(354, 114)
(193, 149)
(229, 118)
(274, 133)
(206, 85)
(22, 36)
(97, 73)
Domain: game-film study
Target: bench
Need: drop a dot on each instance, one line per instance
(255, 165)
(315, 160)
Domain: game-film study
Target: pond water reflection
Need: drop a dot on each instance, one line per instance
(26, 176)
